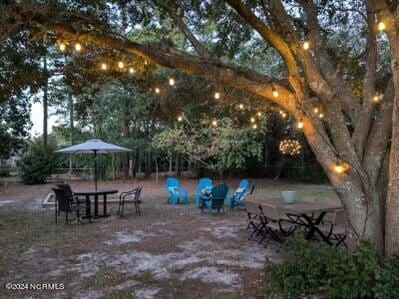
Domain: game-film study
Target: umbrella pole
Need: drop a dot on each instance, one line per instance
(95, 170)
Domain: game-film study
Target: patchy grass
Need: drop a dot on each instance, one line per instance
(121, 294)
(146, 277)
(167, 252)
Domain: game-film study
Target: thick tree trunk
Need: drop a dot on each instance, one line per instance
(392, 202)
(363, 213)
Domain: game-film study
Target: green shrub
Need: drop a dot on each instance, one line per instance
(5, 171)
(35, 169)
(36, 166)
(312, 268)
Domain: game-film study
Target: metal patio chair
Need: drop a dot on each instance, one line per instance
(335, 228)
(254, 222)
(132, 196)
(65, 205)
(277, 227)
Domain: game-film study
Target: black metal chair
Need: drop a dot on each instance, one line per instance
(254, 221)
(68, 191)
(132, 196)
(335, 229)
(277, 227)
(65, 205)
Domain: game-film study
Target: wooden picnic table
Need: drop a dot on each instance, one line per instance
(304, 212)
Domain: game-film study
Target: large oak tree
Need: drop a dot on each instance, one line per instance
(353, 130)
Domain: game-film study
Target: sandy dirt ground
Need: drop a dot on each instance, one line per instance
(168, 252)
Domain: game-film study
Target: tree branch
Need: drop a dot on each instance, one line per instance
(274, 40)
(378, 139)
(348, 101)
(199, 48)
(362, 127)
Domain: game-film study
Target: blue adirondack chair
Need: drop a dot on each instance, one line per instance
(216, 199)
(238, 197)
(176, 192)
(203, 185)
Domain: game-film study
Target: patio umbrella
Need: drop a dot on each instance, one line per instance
(94, 146)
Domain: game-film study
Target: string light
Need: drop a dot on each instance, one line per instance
(321, 115)
(255, 126)
(241, 106)
(259, 114)
(78, 47)
(121, 64)
(252, 119)
(217, 95)
(341, 167)
(290, 147)
(316, 110)
(306, 45)
(132, 70)
(62, 47)
(377, 99)
(171, 81)
(275, 93)
(104, 66)
(215, 123)
(381, 26)
(157, 90)
(180, 118)
(300, 125)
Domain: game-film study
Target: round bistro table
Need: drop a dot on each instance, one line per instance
(96, 193)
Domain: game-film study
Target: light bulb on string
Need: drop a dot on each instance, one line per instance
(275, 93)
(377, 99)
(157, 90)
(259, 114)
(341, 167)
(180, 118)
(255, 126)
(78, 47)
(217, 95)
(306, 45)
(171, 81)
(121, 65)
(321, 115)
(300, 124)
(62, 47)
(252, 119)
(241, 106)
(104, 66)
(316, 110)
(131, 70)
(214, 123)
(381, 26)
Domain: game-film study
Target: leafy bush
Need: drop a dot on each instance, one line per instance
(37, 166)
(4, 171)
(318, 268)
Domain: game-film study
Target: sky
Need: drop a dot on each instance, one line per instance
(36, 117)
